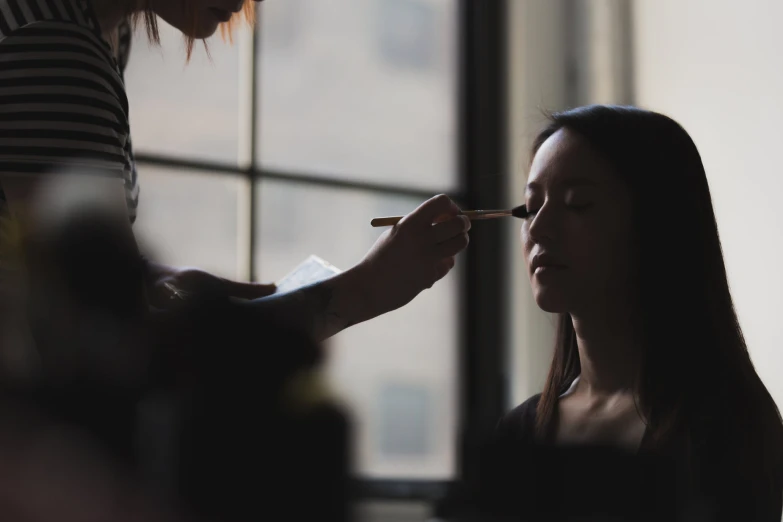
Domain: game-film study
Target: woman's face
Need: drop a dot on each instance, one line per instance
(208, 14)
(577, 239)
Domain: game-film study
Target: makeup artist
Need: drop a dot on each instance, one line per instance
(63, 107)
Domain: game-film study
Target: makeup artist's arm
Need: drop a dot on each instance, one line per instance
(406, 259)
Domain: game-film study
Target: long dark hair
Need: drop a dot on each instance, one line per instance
(695, 367)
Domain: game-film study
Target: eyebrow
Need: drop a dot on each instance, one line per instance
(568, 183)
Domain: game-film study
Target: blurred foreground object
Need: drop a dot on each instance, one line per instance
(55, 473)
(67, 259)
(257, 431)
(248, 429)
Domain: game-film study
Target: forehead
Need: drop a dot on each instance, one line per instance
(566, 158)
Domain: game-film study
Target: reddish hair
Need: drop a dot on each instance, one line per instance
(150, 19)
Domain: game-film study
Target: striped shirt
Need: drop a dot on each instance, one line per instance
(62, 95)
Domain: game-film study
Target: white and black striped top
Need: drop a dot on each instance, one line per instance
(62, 94)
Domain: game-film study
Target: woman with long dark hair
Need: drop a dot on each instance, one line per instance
(622, 244)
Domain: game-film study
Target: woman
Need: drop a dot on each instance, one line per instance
(63, 107)
(621, 242)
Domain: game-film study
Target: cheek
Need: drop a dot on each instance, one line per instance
(174, 14)
(524, 237)
(604, 253)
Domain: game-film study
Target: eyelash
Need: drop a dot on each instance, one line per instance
(576, 208)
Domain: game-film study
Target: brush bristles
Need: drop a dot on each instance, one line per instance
(520, 212)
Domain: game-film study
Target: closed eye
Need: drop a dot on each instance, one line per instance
(580, 207)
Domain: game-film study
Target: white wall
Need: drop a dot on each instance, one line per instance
(716, 66)
(537, 81)
(561, 52)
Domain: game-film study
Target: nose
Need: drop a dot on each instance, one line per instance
(542, 227)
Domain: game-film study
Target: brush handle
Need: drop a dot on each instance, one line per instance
(385, 221)
(472, 214)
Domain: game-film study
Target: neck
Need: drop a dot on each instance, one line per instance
(609, 347)
(111, 13)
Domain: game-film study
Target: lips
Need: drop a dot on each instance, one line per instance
(544, 262)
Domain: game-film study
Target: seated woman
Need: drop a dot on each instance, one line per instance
(650, 362)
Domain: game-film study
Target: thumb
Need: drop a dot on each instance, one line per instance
(440, 207)
(248, 290)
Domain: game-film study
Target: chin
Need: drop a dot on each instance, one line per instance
(204, 30)
(549, 301)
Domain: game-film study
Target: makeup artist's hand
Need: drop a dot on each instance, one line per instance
(414, 254)
(407, 259)
(169, 284)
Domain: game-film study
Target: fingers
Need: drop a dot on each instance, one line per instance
(442, 218)
(444, 267)
(448, 229)
(452, 247)
(432, 209)
(248, 290)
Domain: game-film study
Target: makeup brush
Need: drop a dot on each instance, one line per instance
(517, 212)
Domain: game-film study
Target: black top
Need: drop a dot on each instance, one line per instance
(523, 478)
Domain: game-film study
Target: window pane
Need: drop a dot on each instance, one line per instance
(360, 89)
(397, 372)
(194, 219)
(189, 110)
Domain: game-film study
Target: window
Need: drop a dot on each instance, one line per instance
(364, 91)
(360, 90)
(191, 111)
(177, 202)
(356, 117)
(402, 361)
(286, 144)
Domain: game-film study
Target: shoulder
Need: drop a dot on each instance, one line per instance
(505, 466)
(519, 423)
(27, 29)
(736, 455)
(55, 37)
(61, 101)
(55, 61)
